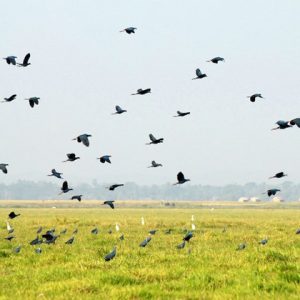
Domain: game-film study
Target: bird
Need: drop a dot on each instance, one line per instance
(117, 227)
(95, 231)
(9, 228)
(11, 59)
(65, 188)
(153, 231)
(70, 241)
(154, 164)
(39, 230)
(119, 110)
(111, 255)
(188, 236)
(36, 241)
(109, 231)
(11, 98)
(272, 192)
(121, 238)
(75, 231)
(216, 60)
(10, 237)
(3, 168)
(182, 114)
(84, 138)
(63, 231)
(17, 249)
(114, 186)
(56, 174)
(142, 221)
(254, 96)
(76, 197)
(295, 121)
(192, 218)
(298, 231)
(105, 158)
(145, 242)
(71, 157)
(278, 175)
(199, 74)
(263, 242)
(142, 92)
(110, 203)
(50, 237)
(181, 245)
(154, 140)
(129, 30)
(38, 250)
(193, 226)
(33, 101)
(181, 179)
(25, 62)
(241, 246)
(13, 215)
(282, 125)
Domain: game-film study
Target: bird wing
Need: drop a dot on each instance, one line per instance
(198, 73)
(180, 176)
(152, 138)
(71, 155)
(111, 205)
(85, 140)
(295, 122)
(12, 97)
(64, 185)
(36, 101)
(31, 102)
(26, 59)
(118, 108)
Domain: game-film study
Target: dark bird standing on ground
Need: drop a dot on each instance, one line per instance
(65, 188)
(272, 192)
(298, 231)
(39, 230)
(111, 255)
(76, 197)
(17, 249)
(181, 245)
(152, 232)
(95, 231)
(12, 215)
(154, 140)
(129, 30)
(10, 237)
(278, 175)
(119, 110)
(33, 101)
(114, 186)
(155, 164)
(9, 99)
(216, 60)
(105, 158)
(254, 96)
(50, 237)
(71, 157)
(38, 250)
(182, 114)
(70, 241)
(145, 242)
(142, 92)
(282, 125)
(199, 74)
(11, 59)
(84, 139)
(121, 238)
(181, 179)
(188, 236)
(3, 168)
(36, 241)
(56, 174)
(110, 203)
(263, 242)
(25, 62)
(241, 246)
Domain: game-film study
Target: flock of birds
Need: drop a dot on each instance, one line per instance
(49, 237)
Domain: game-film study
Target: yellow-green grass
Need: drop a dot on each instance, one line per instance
(208, 268)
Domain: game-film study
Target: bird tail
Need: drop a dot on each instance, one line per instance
(134, 94)
(275, 128)
(271, 177)
(208, 61)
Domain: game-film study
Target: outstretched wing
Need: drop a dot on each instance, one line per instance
(180, 176)
(71, 155)
(26, 59)
(85, 140)
(12, 97)
(111, 205)
(198, 73)
(31, 102)
(64, 185)
(295, 122)
(152, 138)
(118, 108)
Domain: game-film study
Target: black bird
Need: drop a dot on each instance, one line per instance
(55, 174)
(12, 215)
(75, 231)
(17, 249)
(84, 139)
(33, 101)
(154, 164)
(272, 192)
(109, 231)
(282, 125)
(241, 246)
(71, 157)
(10, 237)
(181, 114)
(25, 61)
(298, 231)
(121, 238)
(154, 140)
(39, 230)
(263, 242)
(145, 242)
(119, 110)
(142, 92)
(111, 255)
(95, 231)
(181, 245)
(10, 59)
(110, 203)
(188, 236)
(295, 121)
(50, 237)
(129, 30)
(36, 241)
(278, 175)
(254, 96)
(65, 188)
(70, 241)
(105, 158)
(11, 98)
(152, 232)
(215, 60)
(199, 74)
(3, 168)
(181, 179)
(76, 197)
(114, 186)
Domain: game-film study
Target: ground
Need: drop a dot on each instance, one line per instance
(209, 267)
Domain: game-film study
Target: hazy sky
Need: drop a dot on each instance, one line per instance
(82, 66)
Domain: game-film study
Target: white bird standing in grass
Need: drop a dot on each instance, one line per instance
(193, 219)
(193, 226)
(9, 228)
(142, 221)
(117, 227)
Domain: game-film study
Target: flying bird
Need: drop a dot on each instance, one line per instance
(65, 188)
(254, 96)
(272, 192)
(181, 179)
(11, 98)
(11, 59)
(3, 168)
(154, 140)
(142, 92)
(110, 203)
(182, 114)
(295, 121)
(111, 255)
(76, 197)
(145, 242)
(71, 157)
(199, 74)
(216, 60)
(114, 186)
(55, 174)
(282, 125)
(278, 175)
(83, 138)
(129, 30)
(155, 164)
(119, 110)
(13, 215)
(33, 101)
(25, 61)
(105, 158)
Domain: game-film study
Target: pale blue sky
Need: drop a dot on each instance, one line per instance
(82, 66)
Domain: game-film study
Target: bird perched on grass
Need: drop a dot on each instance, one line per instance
(3, 168)
(216, 60)
(71, 157)
(56, 174)
(154, 140)
(272, 192)
(263, 242)
(105, 159)
(33, 101)
(282, 125)
(110, 203)
(65, 188)
(36, 241)
(13, 215)
(38, 250)
(188, 236)
(111, 255)
(75, 231)
(181, 179)
(241, 246)
(129, 30)
(121, 238)
(142, 92)
(145, 242)
(114, 186)
(182, 114)
(278, 175)
(254, 96)
(9, 238)
(9, 99)
(298, 231)
(17, 249)
(95, 231)
(49, 237)
(154, 164)
(76, 197)
(153, 231)
(70, 241)
(11, 59)
(181, 245)
(199, 74)
(25, 62)
(9, 228)
(119, 110)
(84, 139)
(39, 230)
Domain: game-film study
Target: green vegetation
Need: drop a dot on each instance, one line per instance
(208, 268)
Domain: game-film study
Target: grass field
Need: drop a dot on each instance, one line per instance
(208, 268)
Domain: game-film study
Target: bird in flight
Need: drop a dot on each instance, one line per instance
(55, 174)
(77, 197)
(254, 96)
(84, 138)
(119, 110)
(216, 60)
(272, 192)
(13, 215)
(9, 99)
(181, 179)
(142, 92)
(129, 30)
(199, 74)
(282, 125)
(71, 157)
(11, 59)
(111, 255)
(109, 203)
(3, 168)
(105, 158)
(154, 164)
(278, 175)
(33, 101)
(182, 114)
(114, 186)
(295, 121)
(65, 188)
(25, 62)
(154, 140)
